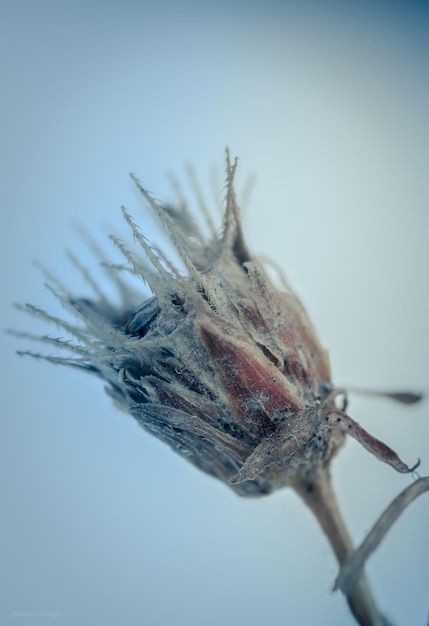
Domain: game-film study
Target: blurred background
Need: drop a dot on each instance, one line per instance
(326, 104)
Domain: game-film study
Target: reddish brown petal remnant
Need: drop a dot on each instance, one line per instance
(255, 387)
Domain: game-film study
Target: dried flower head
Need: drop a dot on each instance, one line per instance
(220, 364)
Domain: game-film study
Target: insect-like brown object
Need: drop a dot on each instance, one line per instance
(224, 367)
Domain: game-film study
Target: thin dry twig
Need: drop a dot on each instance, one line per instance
(354, 564)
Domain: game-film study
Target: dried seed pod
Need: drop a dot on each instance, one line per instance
(223, 366)
(219, 364)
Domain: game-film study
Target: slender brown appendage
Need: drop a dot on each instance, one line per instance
(403, 397)
(342, 421)
(318, 495)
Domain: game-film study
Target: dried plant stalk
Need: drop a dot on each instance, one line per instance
(319, 496)
(352, 566)
(221, 365)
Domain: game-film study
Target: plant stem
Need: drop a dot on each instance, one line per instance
(318, 495)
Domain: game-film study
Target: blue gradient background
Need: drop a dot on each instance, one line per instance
(328, 104)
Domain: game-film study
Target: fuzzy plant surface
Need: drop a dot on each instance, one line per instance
(226, 368)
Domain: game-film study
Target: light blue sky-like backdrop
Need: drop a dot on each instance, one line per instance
(327, 105)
